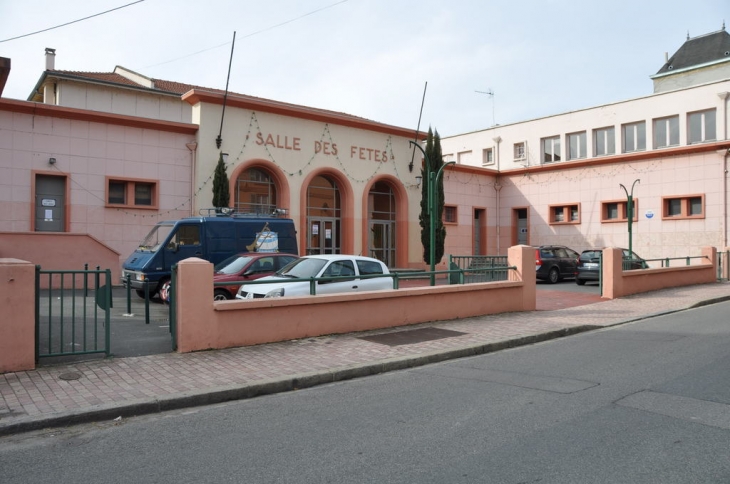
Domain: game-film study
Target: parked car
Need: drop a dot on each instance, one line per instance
(246, 266)
(589, 264)
(321, 266)
(555, 263)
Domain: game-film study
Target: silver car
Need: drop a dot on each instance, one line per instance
(345, 272)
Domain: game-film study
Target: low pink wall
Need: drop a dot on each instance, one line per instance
(60, 251)
(203, 324)
(17, 325)
(619, 283)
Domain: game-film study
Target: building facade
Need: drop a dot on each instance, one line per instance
(565, 179)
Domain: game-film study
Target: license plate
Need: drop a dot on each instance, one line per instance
(591, 265)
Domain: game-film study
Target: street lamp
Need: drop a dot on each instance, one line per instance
(630, 212)
(432, 179)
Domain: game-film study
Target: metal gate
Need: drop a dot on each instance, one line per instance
(72, 312)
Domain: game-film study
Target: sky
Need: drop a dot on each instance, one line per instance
(480, 62)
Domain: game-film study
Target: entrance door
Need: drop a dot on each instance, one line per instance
(322, 237)
(523, 236)
(480, 231)
(382, 242)
(50, 203)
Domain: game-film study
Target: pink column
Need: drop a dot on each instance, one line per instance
(17, 326)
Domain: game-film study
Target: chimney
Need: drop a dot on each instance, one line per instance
(50, 59)
(666, 57)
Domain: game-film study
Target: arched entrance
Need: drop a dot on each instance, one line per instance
(382, 223)
(324, 216)
(255, 192)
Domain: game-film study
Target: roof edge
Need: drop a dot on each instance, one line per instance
(41, 109)
(690, 68)
(196, 96)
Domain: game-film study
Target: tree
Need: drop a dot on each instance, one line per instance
(431, 164)
(221, 194)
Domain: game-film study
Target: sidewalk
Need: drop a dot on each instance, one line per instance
(109, 388)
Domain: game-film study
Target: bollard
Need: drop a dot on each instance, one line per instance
(146, 302)
(129, 294)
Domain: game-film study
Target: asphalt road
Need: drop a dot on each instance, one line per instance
(644, 402)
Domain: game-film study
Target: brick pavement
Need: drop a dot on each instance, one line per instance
(110, 388)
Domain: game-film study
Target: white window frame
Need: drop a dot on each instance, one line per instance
(666, 132)
(703, 118)
(551, 155)
(487, 156)
(581, 148)
(520, 151)
(635, 132)
(602, 139)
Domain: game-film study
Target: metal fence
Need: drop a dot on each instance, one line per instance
(478, 268)
(72, 316)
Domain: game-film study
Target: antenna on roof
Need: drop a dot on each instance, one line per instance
(219, 140)
(490, 93)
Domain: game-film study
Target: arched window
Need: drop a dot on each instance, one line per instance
(255, 192)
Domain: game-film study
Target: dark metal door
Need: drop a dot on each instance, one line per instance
(50, 203)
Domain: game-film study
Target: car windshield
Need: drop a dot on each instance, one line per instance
(302, 268)
(156, 237)
(232, 265)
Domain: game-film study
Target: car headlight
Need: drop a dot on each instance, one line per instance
(275, 293)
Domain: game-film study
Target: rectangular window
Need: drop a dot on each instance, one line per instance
(550, 149)
(131, 193)
(449, 214)
(565, 214)
(688, 206)
(604, 141)
(666, 132)
(617, 211)
(519, 150)
(634, 137)
(701, 126)
(577, 146)
(117, 192)
(488, 156)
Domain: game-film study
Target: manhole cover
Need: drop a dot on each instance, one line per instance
(72, 375)
(411, 336)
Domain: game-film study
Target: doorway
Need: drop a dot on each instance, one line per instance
(520, 225)
(50, 203)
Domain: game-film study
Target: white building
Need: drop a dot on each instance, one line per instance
(558, 178)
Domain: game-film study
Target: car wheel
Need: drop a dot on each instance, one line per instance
(553, 275)
(221, 295)
(580, 282)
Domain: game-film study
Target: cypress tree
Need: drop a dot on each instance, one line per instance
(432, 163)
(221, 194)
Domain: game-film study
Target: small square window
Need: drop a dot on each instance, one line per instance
(565, 214)
(519, 150)
(682, 207)
(449, 214)
(488, 156)
(117, 192)
(617, 211)
(131, 193)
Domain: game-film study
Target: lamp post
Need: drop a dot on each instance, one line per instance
(432, 179)
(630, 212)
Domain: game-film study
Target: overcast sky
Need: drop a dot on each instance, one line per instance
(372, 58)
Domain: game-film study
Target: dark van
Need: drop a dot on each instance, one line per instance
(210, 238)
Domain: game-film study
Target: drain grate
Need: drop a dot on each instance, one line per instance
(411, 336)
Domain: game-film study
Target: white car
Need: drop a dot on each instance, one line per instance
(344, 269)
